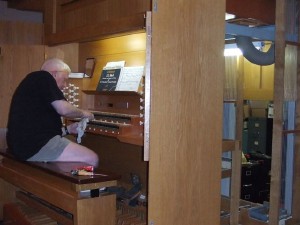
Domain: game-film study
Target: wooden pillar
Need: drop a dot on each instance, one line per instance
(296, 180)
(186, 112)
(275, 192)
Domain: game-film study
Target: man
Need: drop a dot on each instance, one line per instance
(35, 130)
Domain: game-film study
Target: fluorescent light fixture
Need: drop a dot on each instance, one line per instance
(233, 50)
(229, 16)
(77, 75)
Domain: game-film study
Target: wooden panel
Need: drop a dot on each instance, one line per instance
(32, 5)
(277, 145)
(186, 112)
(296, 183)
(119, 158)
(258, 81)
(68, 53)
(80, 13)
(106, 206)
(235, 184)
(15, 63)
(290, 73)
(18, 33)
(81, 21)
(19, 60)
(130, 48)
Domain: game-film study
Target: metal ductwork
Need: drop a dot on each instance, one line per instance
(254, 55)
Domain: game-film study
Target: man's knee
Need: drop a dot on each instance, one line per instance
(94, 159)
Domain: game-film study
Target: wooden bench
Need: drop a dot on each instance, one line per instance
(52, 189)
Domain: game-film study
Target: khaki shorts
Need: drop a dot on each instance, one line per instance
(52, 150)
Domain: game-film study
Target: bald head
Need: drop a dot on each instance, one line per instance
(55, 64)
(58, 69)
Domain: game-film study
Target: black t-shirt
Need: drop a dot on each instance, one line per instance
(32, 119)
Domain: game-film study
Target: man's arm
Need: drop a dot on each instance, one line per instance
(66, 109)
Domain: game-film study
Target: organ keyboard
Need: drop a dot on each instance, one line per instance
(117, 114)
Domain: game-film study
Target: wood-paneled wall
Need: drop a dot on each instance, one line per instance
(258, 81)
(21, 53)
(18, 33)
(15, 63)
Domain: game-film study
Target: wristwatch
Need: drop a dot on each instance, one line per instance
(65, 131)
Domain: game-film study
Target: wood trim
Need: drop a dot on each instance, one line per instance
(147, 87)
(237, 154)
(235, 184)
(296, 183)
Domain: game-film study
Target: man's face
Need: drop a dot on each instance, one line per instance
(61, 78)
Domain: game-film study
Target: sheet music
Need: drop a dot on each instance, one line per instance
(130, 78)
(112, 65)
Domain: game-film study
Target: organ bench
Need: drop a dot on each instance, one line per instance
(52, 189)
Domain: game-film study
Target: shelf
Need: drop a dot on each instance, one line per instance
(124, 93)
(229, 145)
(226, 173)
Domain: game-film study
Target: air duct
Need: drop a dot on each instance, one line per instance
(254, 55)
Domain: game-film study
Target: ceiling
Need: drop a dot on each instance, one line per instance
(252, 12)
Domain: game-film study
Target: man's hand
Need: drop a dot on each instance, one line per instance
(72, 128)
(87, 114)
(67, 110)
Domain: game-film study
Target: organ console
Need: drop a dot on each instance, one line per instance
(118, 114)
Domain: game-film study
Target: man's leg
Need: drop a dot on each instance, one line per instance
(78, 153)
